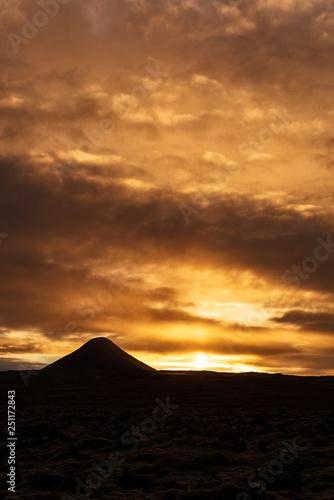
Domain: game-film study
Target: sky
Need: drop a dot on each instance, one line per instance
(166, 180)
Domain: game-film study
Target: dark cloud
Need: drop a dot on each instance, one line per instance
(58, 233)
(26, 348)
(308, 321)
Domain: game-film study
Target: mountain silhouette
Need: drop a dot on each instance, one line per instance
(101, 354)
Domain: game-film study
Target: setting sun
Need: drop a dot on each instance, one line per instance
(201, 361)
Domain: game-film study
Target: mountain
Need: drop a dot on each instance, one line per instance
(99, 353)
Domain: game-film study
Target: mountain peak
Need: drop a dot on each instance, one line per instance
(99, 341)
(99, 353)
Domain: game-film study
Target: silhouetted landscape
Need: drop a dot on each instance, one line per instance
(138, 433)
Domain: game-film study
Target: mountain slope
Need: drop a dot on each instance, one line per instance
(99, 353)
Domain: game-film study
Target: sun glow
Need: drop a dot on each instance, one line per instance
(201, 361)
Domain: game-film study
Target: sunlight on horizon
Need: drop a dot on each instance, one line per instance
(201, 361)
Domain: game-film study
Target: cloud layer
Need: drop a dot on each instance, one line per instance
(167, 174)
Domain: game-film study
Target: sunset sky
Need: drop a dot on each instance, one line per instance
(167, 182)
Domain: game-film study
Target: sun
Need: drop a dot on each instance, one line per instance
(201, 361)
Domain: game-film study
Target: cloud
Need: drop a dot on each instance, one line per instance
(26, 348)
(308, 321)
(60, 234)
(171, 315)
(217, 345)
(184, 87)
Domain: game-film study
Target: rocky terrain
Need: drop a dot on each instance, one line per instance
(171, 436)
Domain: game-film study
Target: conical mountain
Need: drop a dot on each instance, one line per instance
(99, 354)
